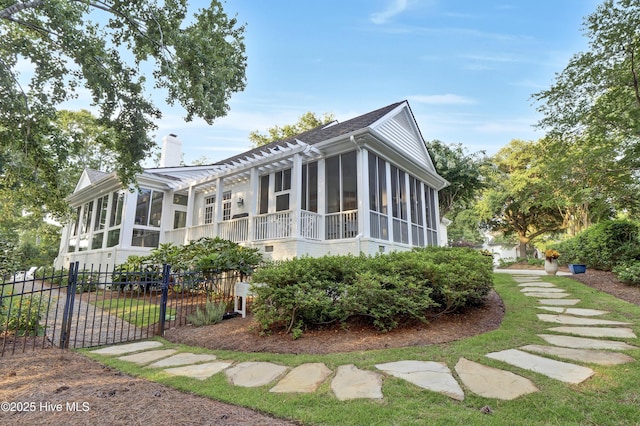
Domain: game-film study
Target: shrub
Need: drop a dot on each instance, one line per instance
(604, 245)
(384, 289)
(212, 314)
(21, 315)
(628, 272)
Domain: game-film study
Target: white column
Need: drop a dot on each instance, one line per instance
(128, 218)
(252, 199)
(322, 198)
(191, 200)
(407, 185)
(364, 218)
(218, 218)
(294, 195)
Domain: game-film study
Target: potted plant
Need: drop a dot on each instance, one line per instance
(551, 261)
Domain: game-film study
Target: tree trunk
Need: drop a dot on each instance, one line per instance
(523, 245)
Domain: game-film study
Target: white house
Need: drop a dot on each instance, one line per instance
(366, 185)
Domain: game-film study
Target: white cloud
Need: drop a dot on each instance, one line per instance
(394, 8)
(446, 99)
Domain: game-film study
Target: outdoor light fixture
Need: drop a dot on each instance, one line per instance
(240, 202)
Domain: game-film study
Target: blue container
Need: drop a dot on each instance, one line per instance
(577, 269)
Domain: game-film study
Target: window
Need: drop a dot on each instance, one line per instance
(101, 213)
(179, 219)
(148, 214)
(263, 204)
(399, 206)
(85, 226)
(282, 180)
(378, 197)
(309, 191)
(226, 205)
(209, 209)
(415, 204)
(342, 196)
(149, 208)
(100, 223)
(145, 238)
(115, 220)
(282, 187)
(116, 209)
(430, 209)
(180, 199)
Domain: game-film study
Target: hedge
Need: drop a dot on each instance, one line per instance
(296, 294)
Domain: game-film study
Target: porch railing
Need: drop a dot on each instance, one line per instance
(310, 225)
(273, 226)
(236, 230)
(341, 225)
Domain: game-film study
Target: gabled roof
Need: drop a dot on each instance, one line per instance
(318, 134)
(90, 177)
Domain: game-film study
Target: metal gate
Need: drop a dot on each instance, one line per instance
(76, 308)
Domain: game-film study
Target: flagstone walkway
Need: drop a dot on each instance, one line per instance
(600, 340)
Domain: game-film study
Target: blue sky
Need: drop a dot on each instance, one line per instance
(467, 67)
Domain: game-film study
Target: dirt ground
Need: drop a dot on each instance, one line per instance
(86, 392)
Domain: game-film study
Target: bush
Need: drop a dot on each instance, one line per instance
(20, 315)
(212, 314)
(628, 272)
(603, 246)
(384, 289)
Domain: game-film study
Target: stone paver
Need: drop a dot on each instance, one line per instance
(199, 371)
(434, 376)
(130, 347)
(536, 284)
(571, 320)
(581, 355)
(559, 302)
(303, 379)
(254, 374)
(585, 343)
(541, 290)
(563, 371)
(574, 311)
(546, 295)
(183, 359)
(142, 358)
(615, 332)
(491, 382)
(352, 383)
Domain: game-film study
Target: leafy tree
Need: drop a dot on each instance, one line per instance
(103, 50)
(597, 96)
(307, 121)
(520, 198)
(464, 172)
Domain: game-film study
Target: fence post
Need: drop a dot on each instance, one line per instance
(67, 314)
(166, 275)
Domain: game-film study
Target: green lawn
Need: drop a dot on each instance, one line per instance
(139, 313)
(611, 397)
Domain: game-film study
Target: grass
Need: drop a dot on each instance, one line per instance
(611, 397)
(140, 313)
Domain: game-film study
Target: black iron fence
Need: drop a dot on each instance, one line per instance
(76, 308)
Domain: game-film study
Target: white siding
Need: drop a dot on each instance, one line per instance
(402, 134)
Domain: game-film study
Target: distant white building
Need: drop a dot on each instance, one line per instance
(366, 185)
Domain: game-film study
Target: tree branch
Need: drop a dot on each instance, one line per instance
(8, 12)
(635, 76)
